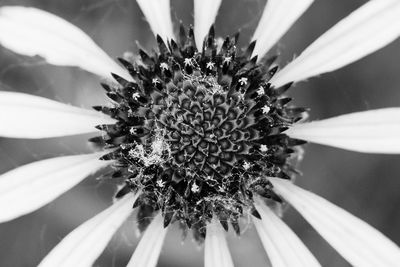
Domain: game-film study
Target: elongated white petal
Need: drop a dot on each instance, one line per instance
(28, 116)
(355, 240)
(148, 250)
(34, 185)
(364, 31)
(158, 14)
(283, 247)
(205, 12)
(82, 246)
(216, 252)
(30, 31)
(277, 18)
(373, 131)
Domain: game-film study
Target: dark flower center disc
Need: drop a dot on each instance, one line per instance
(198, 132)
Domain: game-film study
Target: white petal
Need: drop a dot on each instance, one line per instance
(277, 18)
(82, 246)
(148, 250)
(355, 240)
(216, 252)
(158, 14)
(283, 247)
(34, 185)
(205, 12)
(28, 116)
(364, 31)
(30, 31)
(374, 131)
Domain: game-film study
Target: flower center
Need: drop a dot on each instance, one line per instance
(199, 132)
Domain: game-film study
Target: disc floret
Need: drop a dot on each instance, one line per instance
(199, 132)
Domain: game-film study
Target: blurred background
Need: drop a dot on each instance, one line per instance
(366, 185)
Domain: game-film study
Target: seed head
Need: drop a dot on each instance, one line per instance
(198, 132)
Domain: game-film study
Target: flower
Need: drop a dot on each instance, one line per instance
(167, 101)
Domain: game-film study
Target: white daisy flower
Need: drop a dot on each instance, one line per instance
(187, 153)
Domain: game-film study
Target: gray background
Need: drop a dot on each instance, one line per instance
(366, 185)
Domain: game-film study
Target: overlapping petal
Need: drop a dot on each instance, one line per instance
(371, 27)
(28, 116)
(355, 240)
(158, 14)
(84, 245)
(30, 31)
(373, 131)
(34, 185)
(277, 18)
(148, 250)
(216, 251)
(205, 12)
(283, 247)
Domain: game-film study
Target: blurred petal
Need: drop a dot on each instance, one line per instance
(355, 240)
(158, 14)
(83, 245)
(205, 12)
(28, 116)
(148, 250)
(280, 241)
(30, 31)
(34, 185)
(373, 131)
(364, 31)
(216, 252)
(277, 18)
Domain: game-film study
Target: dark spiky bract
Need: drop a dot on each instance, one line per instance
(198, 132)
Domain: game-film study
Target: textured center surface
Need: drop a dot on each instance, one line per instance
(198, 132)
(208, 131)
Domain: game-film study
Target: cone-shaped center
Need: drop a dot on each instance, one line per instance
(199, 132)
